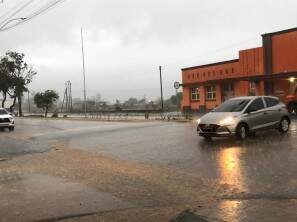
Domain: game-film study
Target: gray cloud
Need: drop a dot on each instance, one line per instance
(126, 41)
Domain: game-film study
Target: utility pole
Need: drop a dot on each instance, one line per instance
(161, 84)
(84, 71)
(67, 99)
(66, 96)
(70, 97)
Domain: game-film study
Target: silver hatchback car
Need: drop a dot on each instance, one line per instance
(243, 115)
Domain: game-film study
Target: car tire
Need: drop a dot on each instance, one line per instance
(241, 131)
(11, 128)
(284, 125)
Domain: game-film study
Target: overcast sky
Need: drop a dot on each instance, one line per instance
(126, 41)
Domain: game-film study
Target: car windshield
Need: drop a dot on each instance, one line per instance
(234, 105)
(3, 112)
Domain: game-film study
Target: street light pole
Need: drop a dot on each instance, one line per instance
(161, 85)
(9, 21)
(84, 71)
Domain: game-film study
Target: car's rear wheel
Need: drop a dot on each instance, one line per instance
(241, 131)
(284, 125)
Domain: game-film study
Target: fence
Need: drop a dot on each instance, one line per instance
(119, 116)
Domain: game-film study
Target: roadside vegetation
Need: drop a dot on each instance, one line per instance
(45, 100)
(15, 76)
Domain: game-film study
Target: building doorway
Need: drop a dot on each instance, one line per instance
(228, 91)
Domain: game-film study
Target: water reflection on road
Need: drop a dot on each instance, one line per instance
(262, 168)
(230, 169)
(231, 173)
(264, 162)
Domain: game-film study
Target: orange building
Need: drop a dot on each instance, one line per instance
(267, 70)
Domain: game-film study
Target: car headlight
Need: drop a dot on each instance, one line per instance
(227, 121)
(10, 119)
(198, 121)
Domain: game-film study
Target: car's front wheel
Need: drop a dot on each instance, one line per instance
(284, 125)
(11, 128)
(241, 131)
(208, 138)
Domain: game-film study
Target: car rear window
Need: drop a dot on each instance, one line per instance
(271, 101)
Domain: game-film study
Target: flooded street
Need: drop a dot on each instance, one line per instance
(143, 171)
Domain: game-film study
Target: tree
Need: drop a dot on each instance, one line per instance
(131, 102)
(118, 105)
(45, 100)
(18, 75)
(6, 68)
(176, 99)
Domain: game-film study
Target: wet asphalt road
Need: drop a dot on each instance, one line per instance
(263, 168)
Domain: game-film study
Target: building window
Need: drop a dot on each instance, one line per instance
(226, 71)
(197, 75)
(213, 73)
(193, 76)
(195, 94)
(221, 72)
(232, 70)
(210, 92)
(252, 88)
(188, 76)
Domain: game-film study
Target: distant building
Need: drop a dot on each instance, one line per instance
(270, 69)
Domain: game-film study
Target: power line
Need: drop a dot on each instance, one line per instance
(35, 6)
(10, 11)
(18, 10)
(39, 12)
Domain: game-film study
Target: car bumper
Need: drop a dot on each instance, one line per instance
(221, 134)
(224, 132)
(3, 125)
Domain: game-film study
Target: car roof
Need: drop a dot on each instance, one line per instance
(253, 97)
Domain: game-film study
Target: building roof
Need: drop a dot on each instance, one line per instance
(281, 32)
(211, 64)
(236, 60)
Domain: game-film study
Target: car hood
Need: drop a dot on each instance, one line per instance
(6, 116)
(216, 117)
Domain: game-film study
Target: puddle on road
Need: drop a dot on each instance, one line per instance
(265, 210)
(10, 147)
(38, 197)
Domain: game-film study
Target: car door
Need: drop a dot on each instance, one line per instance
(273, 111)
(255, 114)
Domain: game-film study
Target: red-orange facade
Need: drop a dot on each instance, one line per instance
(267, 70)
